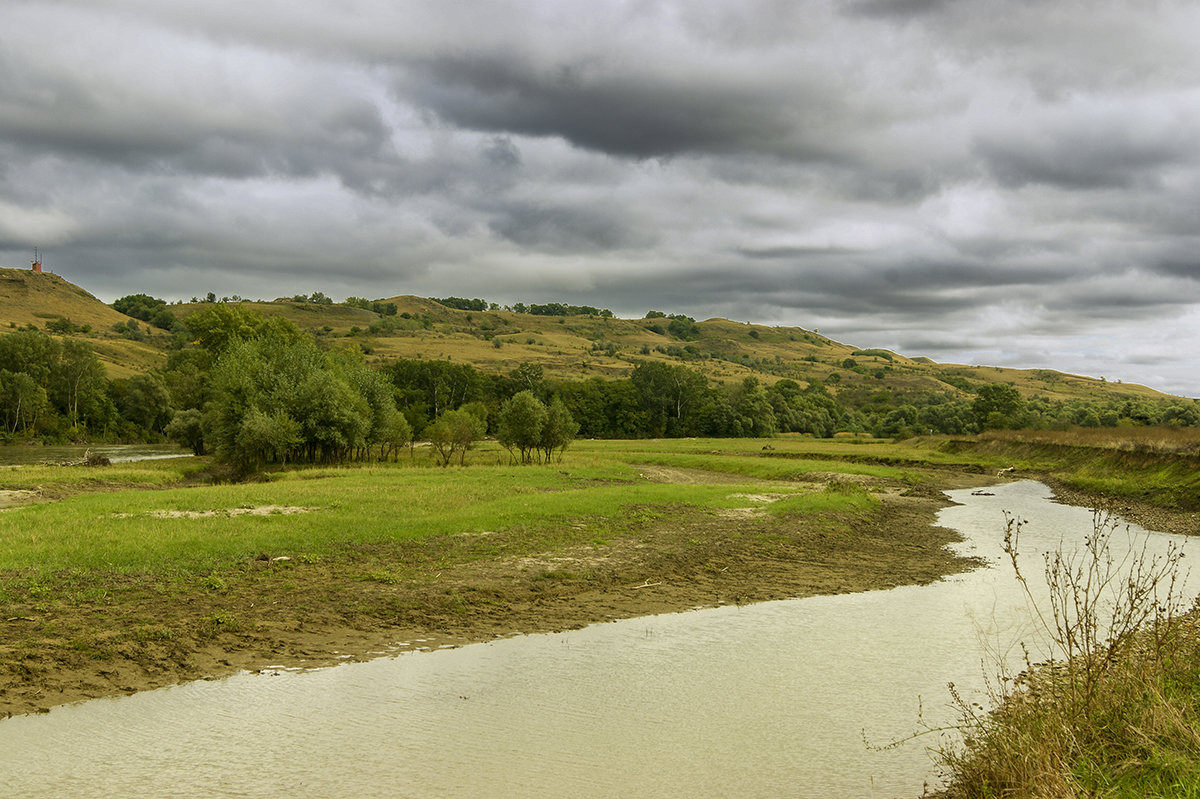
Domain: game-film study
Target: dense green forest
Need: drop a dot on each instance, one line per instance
(255, 390)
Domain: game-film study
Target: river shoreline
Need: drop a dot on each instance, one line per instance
(312, 615)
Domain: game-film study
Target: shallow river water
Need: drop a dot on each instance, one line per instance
(794, 698)
(21, 455)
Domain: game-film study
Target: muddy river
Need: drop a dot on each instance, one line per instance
(20, 455)
(796, 698)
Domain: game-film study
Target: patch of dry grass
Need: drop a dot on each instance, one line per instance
(1137, 735)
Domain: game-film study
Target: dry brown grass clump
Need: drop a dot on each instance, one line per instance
(1136, 735)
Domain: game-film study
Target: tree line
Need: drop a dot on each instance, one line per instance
(256, 390)
(54, 390)
(533, 308)
(663, 400)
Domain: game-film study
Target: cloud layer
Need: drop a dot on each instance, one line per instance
(1010, 183)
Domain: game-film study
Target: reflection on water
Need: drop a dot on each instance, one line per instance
(766, 700)
(19, 455)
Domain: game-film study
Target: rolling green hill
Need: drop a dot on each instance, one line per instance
(567, 347)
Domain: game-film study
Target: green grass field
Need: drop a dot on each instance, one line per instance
(137, 518)
(147, 563)
(145, 517)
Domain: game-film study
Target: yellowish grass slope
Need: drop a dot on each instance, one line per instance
(571, 347)
(29, 298)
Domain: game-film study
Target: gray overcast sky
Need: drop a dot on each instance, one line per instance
(1013, 183)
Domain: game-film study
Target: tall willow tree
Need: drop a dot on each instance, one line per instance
(277, 400)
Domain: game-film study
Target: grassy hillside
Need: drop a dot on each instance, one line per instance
(31, 298)
(28, 298)
(574, 347)
(578, 347)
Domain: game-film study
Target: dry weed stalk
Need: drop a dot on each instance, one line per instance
(1101, 605)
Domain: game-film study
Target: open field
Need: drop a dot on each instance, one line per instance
(116, 579)
(131, 576)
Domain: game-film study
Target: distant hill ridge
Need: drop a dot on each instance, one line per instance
(567, 347)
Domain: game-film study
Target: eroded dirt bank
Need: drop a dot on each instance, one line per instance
(1145, 514)
(138, 633)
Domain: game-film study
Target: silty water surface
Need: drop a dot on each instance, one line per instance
(22, 455)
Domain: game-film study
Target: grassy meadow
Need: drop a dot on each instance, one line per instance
(155, 516)
(140, 574)
(147, 518)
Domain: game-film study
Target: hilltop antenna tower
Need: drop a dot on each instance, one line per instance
(36, 264)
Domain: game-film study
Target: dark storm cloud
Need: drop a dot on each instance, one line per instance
(501, 152)
(873, 279)
(790, 253)
(1181, 264)
(895, 8)
(620, 112)
(847, 286)
(168, 105)
(345, 139)
(566, 229)
(1093, 158)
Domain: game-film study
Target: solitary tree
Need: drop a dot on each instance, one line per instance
(454, 432)
(519, 424)
(187, 428)
(998, 405)
(558, 431)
